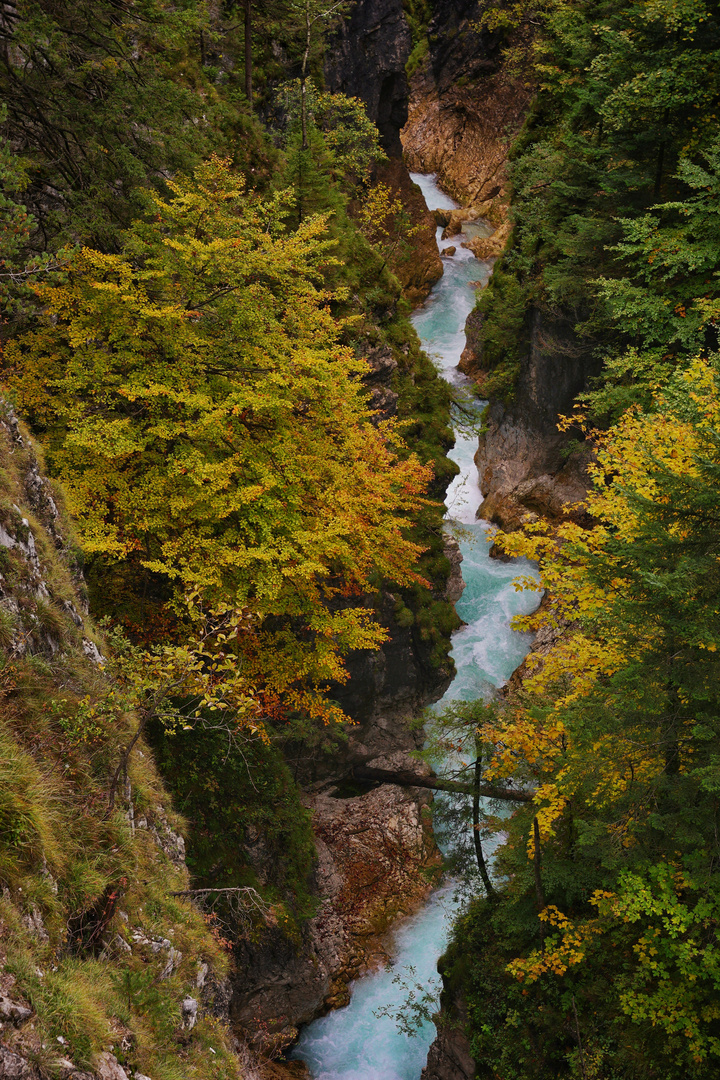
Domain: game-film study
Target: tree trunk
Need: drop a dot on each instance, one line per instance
(537, 866)
(479, 856)
(124, 759)
(673, 725)
(405, 778)
(248, 50)
(579, 1039)
(303, 78)
(661, 158)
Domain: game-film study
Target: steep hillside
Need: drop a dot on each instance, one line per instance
(107, 969)
(613, 256)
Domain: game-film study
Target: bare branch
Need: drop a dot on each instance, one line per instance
(236, 909)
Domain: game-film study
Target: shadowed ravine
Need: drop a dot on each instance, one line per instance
(353, 1043)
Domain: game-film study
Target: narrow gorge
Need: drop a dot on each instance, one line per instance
(359, 472)
(425, 121)
(355, 1041)
(379, 837)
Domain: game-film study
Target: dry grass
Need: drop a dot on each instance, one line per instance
(63, 852)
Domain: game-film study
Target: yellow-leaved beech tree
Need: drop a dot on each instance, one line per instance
(207, 422)
(601, 583)
(617, 731)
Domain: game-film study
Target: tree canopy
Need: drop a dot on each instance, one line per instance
(613, 174)
(205, 419)
(611, 912)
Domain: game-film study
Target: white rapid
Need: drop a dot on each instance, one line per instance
(355, 1043)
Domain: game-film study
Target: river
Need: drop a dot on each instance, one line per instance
(355, 1043)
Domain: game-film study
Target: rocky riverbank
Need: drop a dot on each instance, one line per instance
(525, 473)
(377, 861)
(525, 465)
(417, 264)
(450, 1056)
(464, 109)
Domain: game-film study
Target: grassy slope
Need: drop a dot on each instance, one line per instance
(85, 894)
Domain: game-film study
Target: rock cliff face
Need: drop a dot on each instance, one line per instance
(524, 473)
(464, 108)
(449, 1057)
(396, 680)
(374, 854)
(366, 59)
(522, 458)
(418, 264)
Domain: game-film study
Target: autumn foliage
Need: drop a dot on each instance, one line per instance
(616, 731)
(206, 420)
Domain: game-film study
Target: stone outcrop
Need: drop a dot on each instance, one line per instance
(524, 474)
(449, 1057)
(455, 584)
(396, 679)
(366, 59)
(489, 247)
(464, 108)
(453, 221)
(382, 365)
(417, 264)
(471, 359)
(523, 461)
(387, 687)
(374, 853)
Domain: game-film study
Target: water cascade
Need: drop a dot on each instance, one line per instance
(353, 1043)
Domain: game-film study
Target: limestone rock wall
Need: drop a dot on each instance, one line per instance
(418, 265)
(366, 59)
(450, 1057)
(374, 854)
(522, 459)
(524, 473)
(464, 109)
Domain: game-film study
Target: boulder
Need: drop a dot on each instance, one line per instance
(12, 1066)
(489, 247)
(189, 1013)
(13, 1011)
(455, 584)
(109, 1068)
(456, 220)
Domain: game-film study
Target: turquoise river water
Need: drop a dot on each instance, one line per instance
(354, 1043)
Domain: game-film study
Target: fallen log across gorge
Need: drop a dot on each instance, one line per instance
(406, 778)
